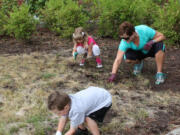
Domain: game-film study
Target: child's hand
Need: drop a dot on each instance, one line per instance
(89, 56)
(75, 55)
(86, 46)
(58, 133)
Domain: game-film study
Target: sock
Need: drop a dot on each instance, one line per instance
(82, 60)
(98, 60)
(159, 72)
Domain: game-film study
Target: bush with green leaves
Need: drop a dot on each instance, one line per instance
(168, 21)
(21, 23)
(36, 5)
(63, 16)
(7, 5)
(115, 12)
(48, 14)
(3, 22)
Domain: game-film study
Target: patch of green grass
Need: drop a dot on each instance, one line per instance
(14, 129)
(39, 129)
(37, 121)
(36, 118)
(48, 75)
(141, 114)
(3, 130)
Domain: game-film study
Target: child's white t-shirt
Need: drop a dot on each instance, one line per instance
(86, 102)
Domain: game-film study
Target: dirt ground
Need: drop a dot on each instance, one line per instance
(47, 42)
(166, 115)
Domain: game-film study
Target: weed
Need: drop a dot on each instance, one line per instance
(47, 75)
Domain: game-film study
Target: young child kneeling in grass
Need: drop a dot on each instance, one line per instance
(85, 44)
(89, 105)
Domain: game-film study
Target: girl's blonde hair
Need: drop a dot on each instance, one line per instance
(79, 33)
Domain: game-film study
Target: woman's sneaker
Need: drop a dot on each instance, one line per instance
(82, 62)
(160, 78)
(99, 65)
(138, 68)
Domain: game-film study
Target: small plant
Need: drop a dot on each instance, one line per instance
(47, 75)
(3, 129)
(141, 115)
(21, 24)
(14, 129)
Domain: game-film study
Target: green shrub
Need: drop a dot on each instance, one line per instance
(3, 22)
(36, 5)
(48, 14)
(115, 12)
(7, 5)
(21, 24)
(5, 8)
(64, 16)
(160, 2)
(168, 21)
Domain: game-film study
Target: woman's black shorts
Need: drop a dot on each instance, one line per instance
(134, 55)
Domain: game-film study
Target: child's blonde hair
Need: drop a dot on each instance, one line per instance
(79, 33)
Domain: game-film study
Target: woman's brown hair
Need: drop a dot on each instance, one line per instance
(126, 28)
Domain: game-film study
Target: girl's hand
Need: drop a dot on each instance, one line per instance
(75, 55)
(86, 46)
(89, 55)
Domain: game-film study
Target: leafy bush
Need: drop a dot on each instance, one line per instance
(5, 8)
(115, 12)
(48, 14)
(168, 21)
(64, 16)
(3, 22)
(36, 5)
(7, 5)
(21, 24)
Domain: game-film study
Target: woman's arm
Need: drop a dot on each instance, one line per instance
(159, 37)
(117, 61)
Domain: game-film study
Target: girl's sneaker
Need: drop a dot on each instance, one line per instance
(160, 78)
(82, 62)
(138, 68)
(99, 65)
